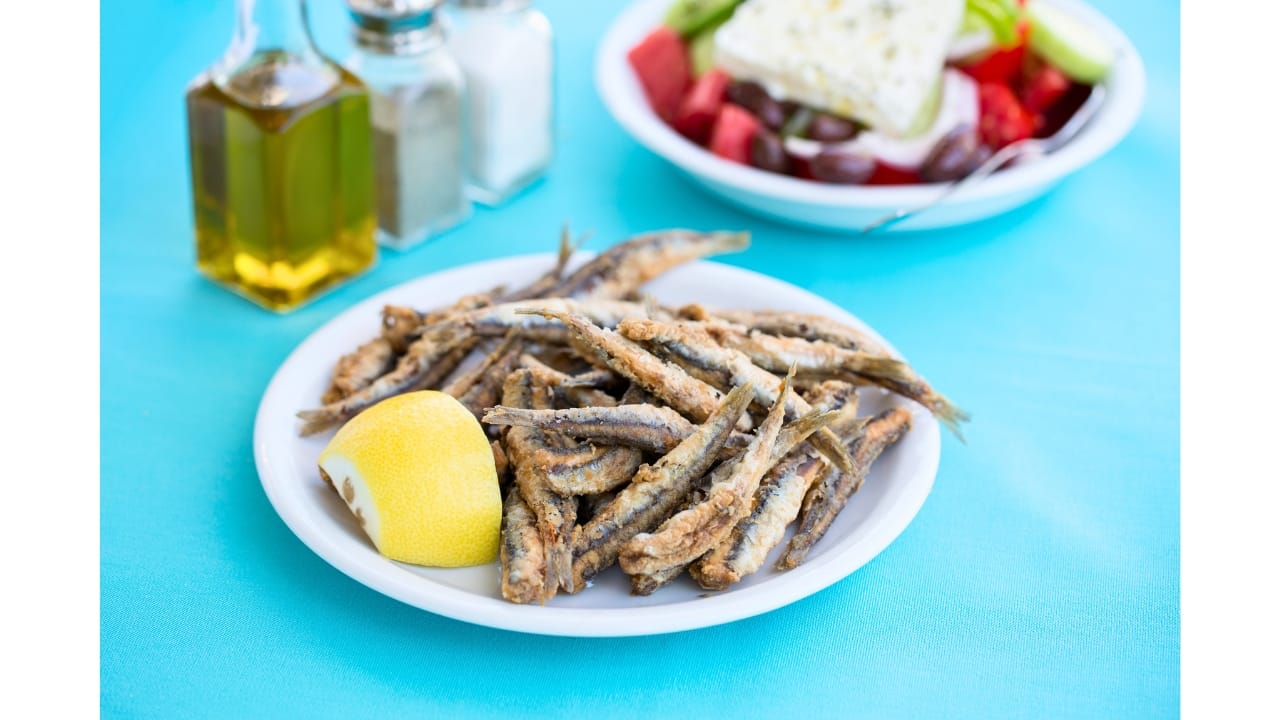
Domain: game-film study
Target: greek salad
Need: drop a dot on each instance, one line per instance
(877, 92)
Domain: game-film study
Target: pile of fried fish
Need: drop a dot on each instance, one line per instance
(625, 432)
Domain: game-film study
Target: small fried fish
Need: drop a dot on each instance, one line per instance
(654, 491)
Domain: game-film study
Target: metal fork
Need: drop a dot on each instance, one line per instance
(1030, 146)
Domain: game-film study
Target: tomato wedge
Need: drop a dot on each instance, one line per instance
(1001, 118)
(661, 62)
(731, 136)
(701, 106)
(1002, 65)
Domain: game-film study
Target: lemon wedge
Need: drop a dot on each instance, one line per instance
(418, 473)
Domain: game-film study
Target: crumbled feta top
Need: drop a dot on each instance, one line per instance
(872, 60)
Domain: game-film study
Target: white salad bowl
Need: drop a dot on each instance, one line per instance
(851, 208)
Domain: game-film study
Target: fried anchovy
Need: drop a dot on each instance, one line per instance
(358, 368)
(646, 584)
(402, 325)
(556, 447)
(648, 427)
(832, 491)
(806, 384)
(459, 385)
(499, 459)
(480, 387)
(819, 356)
(793, 324)
(573, 395)
(654, 491)
(918, 390)
(556, 513)
(590, 505)
(775, 353)
(626, 266)
(636, 395)
(693, 345)
(831, 394)
(652, 428)
(689, 396)
(487, 392)
(777, 501)
(523, 562)
(548, 281)
(413, 370)
(607, 468)
(790, 438)
(685, 536)
(446, 366)
(542, 325)
(820, 329)
(562, 358)
(598, 379)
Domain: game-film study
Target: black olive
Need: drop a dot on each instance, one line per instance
(828, 128)
(844, 168)
(954, 156)
(756, 100)
(768, 152)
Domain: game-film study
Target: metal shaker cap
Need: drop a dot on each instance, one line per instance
(392, 16)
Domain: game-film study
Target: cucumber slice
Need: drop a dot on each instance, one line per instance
(928, 111)
(972, 22)
(690, 17)
(702, 49)
(1000, 16)
(1076, 49)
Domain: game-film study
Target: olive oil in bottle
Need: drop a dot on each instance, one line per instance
(281, 164)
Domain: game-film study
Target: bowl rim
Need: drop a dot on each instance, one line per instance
(622, 96)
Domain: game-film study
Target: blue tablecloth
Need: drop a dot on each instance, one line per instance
(1039, 580)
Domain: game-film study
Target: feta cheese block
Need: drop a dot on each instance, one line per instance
(875, 61)
(959, 106)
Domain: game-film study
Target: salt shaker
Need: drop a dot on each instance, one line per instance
(504, 47)
(417, 93)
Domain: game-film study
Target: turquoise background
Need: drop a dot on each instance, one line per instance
(1039, 580)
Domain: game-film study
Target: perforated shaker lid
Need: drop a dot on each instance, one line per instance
(392, 16)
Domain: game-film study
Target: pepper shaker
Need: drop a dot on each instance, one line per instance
(417, 93)
(505, 49)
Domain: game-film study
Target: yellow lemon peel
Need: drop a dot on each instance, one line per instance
(418, 473)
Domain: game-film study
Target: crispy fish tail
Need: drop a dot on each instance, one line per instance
(623, 268)
(548, 281)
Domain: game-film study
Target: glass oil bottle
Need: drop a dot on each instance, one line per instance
(281, 163)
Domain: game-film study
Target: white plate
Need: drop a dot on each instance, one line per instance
(834, 207)
(896, 487)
